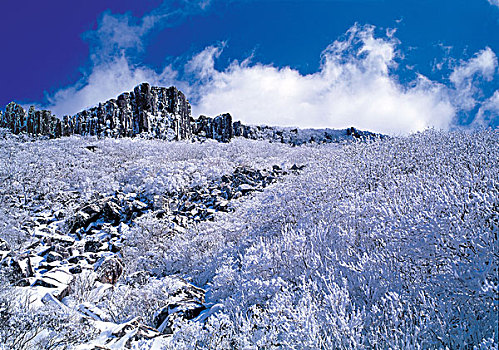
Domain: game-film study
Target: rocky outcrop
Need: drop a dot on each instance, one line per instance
(33, 122)
(219, 128)
(156, 111)
(159, 112)
(65, 245)
(162, 113)
(76, 256)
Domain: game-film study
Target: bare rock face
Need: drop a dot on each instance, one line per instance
(155, 112)
(158, 112)
(186, 303)
(161, 113)
(14, 118)
(109, 270)
(218, 128)
(4, 246)
(33, 122)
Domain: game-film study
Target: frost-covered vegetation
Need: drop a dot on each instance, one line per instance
(382, 244)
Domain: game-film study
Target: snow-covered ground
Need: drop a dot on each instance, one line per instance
(387, 243)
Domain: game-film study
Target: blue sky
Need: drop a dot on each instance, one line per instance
(393, 66)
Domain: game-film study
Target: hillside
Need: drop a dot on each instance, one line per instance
(140, 243)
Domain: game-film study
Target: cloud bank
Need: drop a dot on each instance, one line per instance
(356, 84)
(116, 47)
(494, 2)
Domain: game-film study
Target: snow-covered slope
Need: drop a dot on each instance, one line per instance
(135, 243)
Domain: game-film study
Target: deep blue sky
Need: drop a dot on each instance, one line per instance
(44, 47)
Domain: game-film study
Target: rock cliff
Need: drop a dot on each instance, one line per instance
(157, 112)
(160, 112)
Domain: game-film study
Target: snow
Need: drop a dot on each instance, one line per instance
(389, 244)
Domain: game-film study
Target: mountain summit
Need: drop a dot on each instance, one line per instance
(157, 112)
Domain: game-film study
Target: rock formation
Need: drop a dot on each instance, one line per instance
(157, 112)
(219, 128)
(80, 252)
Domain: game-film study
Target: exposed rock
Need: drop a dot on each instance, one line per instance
(53, 256)
(295, 167)
(59, 280)
(218, 128)
(138, 278)
(91, 148)
(93, 312)
(14, 118)
(158, 112)
(112, 212)
(25, 266)
(75, 269)
(187, 303)
(93, 246)
(56, 262)
(296, 137)
(109, 270)
(354, 132)
(132, 331)
(4, 250)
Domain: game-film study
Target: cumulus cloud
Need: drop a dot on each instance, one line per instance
(488, 114)
(356, 84)
(467, 77)
(494, 2)
(483, 64)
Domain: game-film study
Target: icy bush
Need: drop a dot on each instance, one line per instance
(23, 326)
(383, 244)
(390, 244)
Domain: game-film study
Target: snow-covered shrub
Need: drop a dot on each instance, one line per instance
(383, 244)
(23, 326)
(393, 243)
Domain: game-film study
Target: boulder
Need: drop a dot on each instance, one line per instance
(93, 312)
(75, 269)
(109, 269)
(186, 303)
(139, 278)
(93, 246)
(53, 256)
(127, 333)
(57, 279)
(187, 310)
(112, 212)
(4, 246)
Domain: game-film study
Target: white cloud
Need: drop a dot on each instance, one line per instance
(494, 2)
(122, 33)
(116, 33)
(106, 81)
(356, 84)
(118, 39)
(202, 65)
(353, 87)
(488, 114)
(466, 77)
(483, 64)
